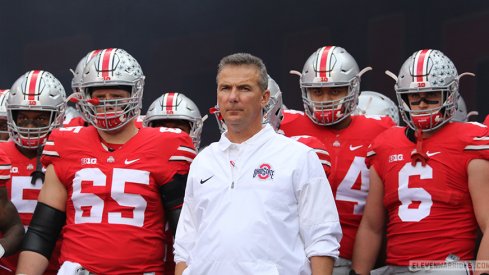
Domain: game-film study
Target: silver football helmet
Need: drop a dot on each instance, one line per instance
(3, 115)
(427, 71)
(78, 73)
(272, 113)
(35, 91)
(111, 68)
(330, 66)
(373, 103)
(70, 114)
(461, 113)
(176, 106)
(77, 79)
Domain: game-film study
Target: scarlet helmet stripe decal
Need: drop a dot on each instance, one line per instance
(91, 55)
(32, 84)
(106, 61)
(421, 65)
(169, 102)
(324, 62)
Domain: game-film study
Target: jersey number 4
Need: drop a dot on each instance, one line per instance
(94, 205)
(346, 192)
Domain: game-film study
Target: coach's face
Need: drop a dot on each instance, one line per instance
(240, 97)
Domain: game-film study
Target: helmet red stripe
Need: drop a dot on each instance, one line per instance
(422, 60)
(169, 101)
(93, 54)
(323, 65)
(31, 92)
(106, 62)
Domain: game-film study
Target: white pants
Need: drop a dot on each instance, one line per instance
(342, 266)
(455, 268)
(71, 268)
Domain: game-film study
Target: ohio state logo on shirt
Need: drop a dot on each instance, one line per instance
(264, 172)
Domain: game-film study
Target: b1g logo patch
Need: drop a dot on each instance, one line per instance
(264, 172)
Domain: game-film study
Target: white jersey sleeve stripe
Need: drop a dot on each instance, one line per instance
(319, 151)
(481, 138)
(187, 149)
(476, 147)
(180, 158)
(325, 162)
(50, 153)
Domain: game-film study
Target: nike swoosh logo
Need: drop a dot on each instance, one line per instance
(432, 154)
(353, 148)
(203, 181)
(127, 162)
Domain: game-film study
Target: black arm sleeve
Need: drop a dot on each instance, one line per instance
(172, 194)
(44, 229)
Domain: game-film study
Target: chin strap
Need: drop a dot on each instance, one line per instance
(417, 154)
(38, 173)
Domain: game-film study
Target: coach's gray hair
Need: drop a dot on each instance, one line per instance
(238, 59)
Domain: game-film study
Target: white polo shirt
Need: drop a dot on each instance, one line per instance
(260, 207)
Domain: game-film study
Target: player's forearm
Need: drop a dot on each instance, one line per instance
(180, 267)
(483, 256)
(31, 263)
(12, 229)
(366, 249)
(12, 239)
(321, 265)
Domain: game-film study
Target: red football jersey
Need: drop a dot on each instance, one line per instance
(430, 214)
(23, 195)
(319, 148)
(114, 215)
(349, 176)
(486, 120)
(73, 122)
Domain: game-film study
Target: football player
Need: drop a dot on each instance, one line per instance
(35, 106)
(3, 116)
(376, 104)
(74, 117)
(10, 224)
(428, 181)
(113, 184)
(330, 83)
(175, 110)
